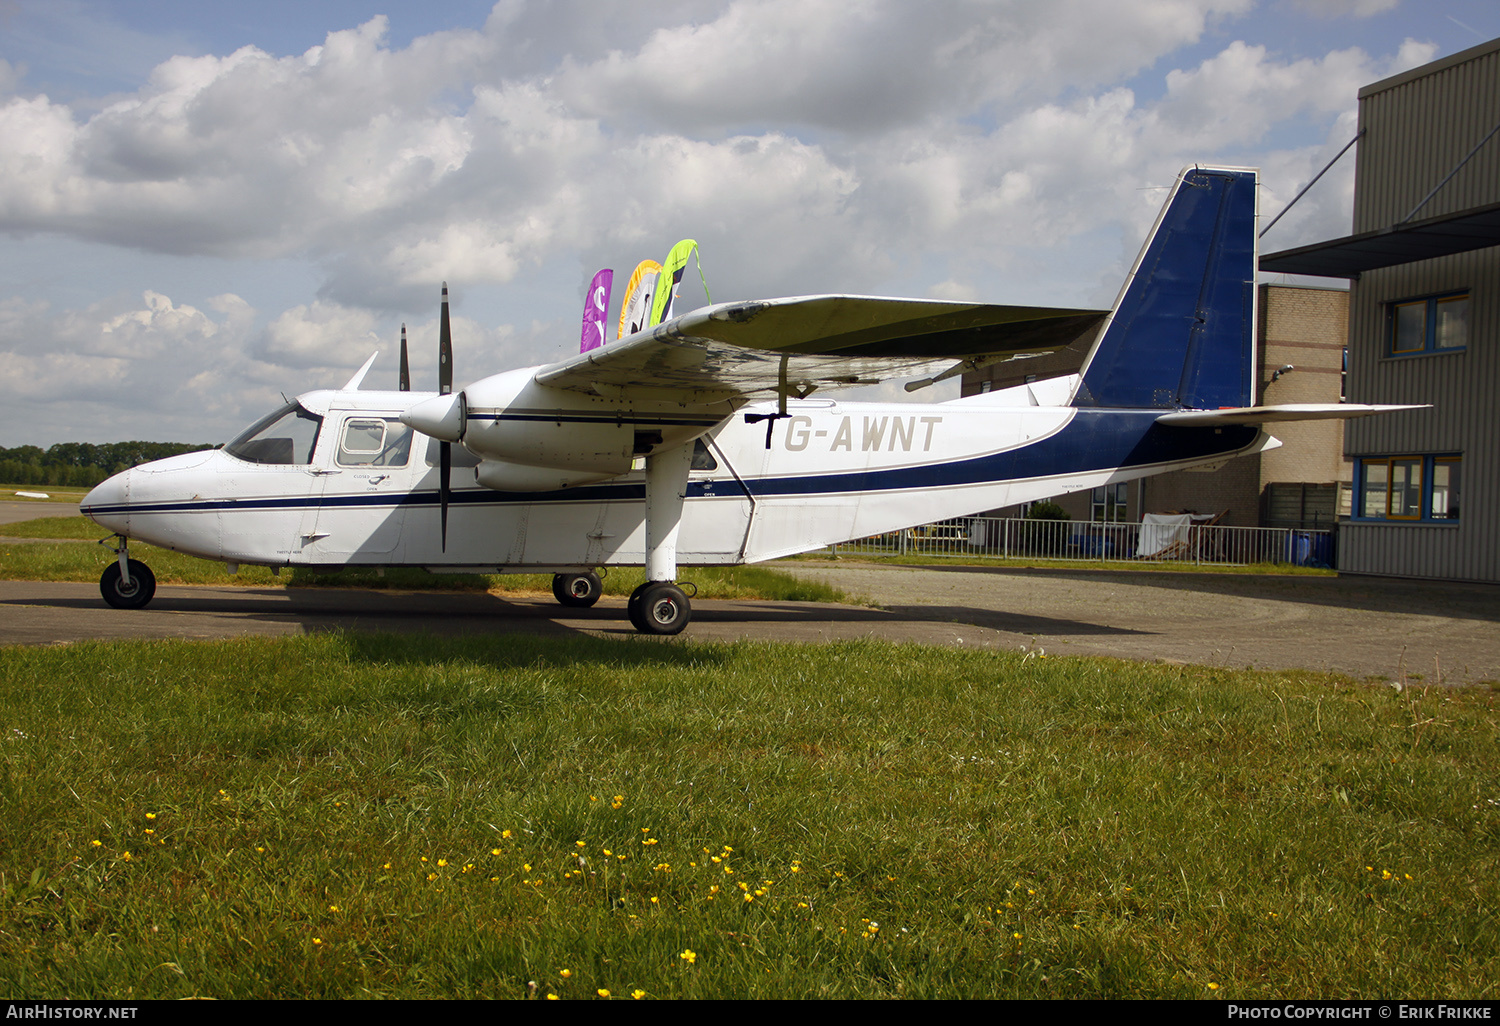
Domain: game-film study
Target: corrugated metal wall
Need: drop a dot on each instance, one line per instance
(1418, 126)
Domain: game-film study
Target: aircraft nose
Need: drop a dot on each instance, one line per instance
(108, 504)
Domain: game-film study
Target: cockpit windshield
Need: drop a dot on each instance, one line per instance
(287, 436)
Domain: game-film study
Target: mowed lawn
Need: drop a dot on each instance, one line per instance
(354, 815)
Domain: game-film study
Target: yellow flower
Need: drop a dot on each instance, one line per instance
(579, 843)
(565, 973)
(689, 956)
(494, 851)
(97, 844)
(551, 997)
(125, 856)
(505, 835)
(442, 862)
(318, 940)
(1213, 986)
(637, 994)
(333, 908)
(603, 992)
(150, 815)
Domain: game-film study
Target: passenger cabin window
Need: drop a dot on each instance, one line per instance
(371, 442)
(1435, 324)
(284, 438)
(702, 458)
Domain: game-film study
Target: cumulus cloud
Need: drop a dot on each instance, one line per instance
(959, 148)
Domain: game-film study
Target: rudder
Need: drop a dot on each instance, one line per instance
(1182, 333)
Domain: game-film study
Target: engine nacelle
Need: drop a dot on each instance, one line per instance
(510, 420)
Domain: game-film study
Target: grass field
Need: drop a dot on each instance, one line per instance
(54, 493)
(369, 816)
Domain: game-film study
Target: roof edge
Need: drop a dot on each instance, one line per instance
(1441, 64)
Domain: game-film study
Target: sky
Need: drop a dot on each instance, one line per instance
(207, 206)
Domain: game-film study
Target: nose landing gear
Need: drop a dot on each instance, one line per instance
(126, 583)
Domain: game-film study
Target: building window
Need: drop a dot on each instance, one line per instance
(1108, 504)
(1410, 488)
(1435, 324)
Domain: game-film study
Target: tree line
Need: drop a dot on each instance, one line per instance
(82, 464)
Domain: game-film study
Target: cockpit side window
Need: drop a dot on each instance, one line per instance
(373, 442)
(286, 437)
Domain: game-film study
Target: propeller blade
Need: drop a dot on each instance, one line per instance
(445, 387)
(445, 469)
(405, 384)
(445, 349)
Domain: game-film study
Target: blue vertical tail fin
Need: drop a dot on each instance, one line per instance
(1182, 333)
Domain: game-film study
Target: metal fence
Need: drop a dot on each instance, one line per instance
(995, 537)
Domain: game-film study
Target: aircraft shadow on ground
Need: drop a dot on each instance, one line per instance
(469, 614)
(1373, 594)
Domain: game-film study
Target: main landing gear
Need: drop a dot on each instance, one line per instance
(126, 583)
(577, 590)
(659, 607)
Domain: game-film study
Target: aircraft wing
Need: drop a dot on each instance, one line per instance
(759, 349)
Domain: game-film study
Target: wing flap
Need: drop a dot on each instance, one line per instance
(737, 349)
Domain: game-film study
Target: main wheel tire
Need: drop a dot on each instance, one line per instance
(134, 596)
(577, 590)
(659, 607)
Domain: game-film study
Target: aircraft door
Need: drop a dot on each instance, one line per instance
(719, 510)
(366, 478)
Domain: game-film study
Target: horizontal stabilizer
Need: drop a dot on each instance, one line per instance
(1275, 414)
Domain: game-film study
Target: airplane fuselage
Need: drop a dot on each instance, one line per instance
(833, 472)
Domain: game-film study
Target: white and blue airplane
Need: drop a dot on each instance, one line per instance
(697, 441)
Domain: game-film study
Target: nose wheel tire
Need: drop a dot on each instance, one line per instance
(577, 590)
(136, 594)
(659, 607)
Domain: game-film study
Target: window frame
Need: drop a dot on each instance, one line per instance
(1423, 465)
(1430, 308)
